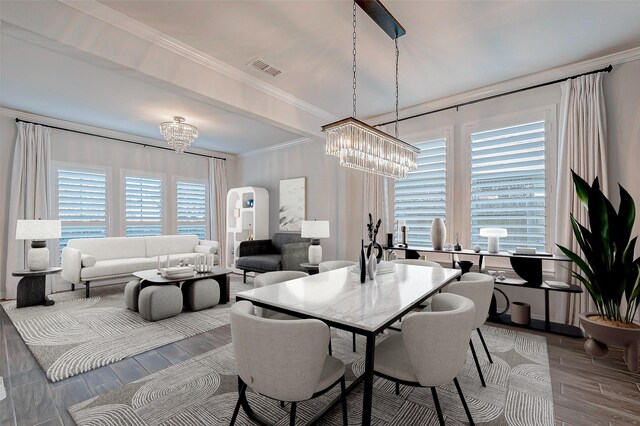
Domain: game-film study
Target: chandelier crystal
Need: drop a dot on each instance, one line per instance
(179, 134)
(360, 146)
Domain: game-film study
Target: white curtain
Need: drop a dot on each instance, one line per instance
(30, 198)
(582, 147)
(218, 197)
(376, 202)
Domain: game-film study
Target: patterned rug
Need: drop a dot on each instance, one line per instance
(203, 391)
(77, 334)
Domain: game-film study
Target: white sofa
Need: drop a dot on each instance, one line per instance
(91, 259)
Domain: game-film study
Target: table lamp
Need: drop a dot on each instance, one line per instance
(493, 234)
(315, 229)
(38, 231)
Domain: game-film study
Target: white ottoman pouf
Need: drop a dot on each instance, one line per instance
(158, 302)
(201, 294)
(131, 293)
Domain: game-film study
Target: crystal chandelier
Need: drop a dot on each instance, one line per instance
(179, 134)
(360, 146)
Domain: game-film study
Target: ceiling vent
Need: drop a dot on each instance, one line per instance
(264, 67)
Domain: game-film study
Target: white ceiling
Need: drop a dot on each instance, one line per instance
(107, 64)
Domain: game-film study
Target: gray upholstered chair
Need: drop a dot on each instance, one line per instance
(432, 348)
(479, 288)
(275, 277)
(418, 262)
(330, 265)
(283, 252)
(282, 360)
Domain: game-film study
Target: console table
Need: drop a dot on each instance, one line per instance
(528, 267)
(31, 287)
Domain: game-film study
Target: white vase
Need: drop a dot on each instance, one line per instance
(372, 266)
(438, 233)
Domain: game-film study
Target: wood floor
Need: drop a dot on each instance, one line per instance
(586, 391)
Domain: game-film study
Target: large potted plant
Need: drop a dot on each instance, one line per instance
(608, 270)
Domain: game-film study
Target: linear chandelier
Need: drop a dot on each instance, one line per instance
(179, 134)
(358, 145)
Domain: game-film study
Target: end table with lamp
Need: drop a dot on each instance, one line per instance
(32, 288)
(315, 229)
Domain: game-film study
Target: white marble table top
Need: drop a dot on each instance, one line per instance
(339, 297)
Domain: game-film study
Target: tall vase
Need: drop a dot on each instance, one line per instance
(376, 249)
(372, 266)
(363, 263)
(438, 233)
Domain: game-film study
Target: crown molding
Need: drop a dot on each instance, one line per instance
(99, 131)
(276, 147)
(142, 31)
(541, 77)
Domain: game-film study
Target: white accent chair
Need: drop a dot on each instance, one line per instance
(418, 262)
(424, 354)
(282, 360)
(479, 288)
(275, 277)
(330, 265)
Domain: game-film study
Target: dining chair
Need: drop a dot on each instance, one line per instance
(479, 288)
(330, 265)
(417, 262)
(282, 360)
(275, 277)
(431, 349)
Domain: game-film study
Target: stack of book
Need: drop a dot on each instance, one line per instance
(176, 272)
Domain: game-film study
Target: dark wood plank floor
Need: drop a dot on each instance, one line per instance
(586, 391)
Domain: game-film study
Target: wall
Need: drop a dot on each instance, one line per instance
(78, 149)
(329, 186)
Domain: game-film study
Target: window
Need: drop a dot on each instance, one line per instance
(143, 206)
(508, 184)
(421, 197)
(82, 205)
(191, 203)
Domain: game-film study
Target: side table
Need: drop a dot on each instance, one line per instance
(31, 288)
(311, 268)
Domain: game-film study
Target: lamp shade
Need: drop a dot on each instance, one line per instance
(315, 229)
(493, 232)
(38, 229)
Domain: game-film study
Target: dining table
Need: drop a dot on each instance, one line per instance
(339, 299)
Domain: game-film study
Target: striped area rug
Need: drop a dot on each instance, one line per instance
(77, 334)
(203, 390)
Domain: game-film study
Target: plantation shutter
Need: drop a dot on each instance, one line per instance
(508, 184)
(143, 206)
(191, 208)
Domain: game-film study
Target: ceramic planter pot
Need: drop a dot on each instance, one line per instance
(619, 337)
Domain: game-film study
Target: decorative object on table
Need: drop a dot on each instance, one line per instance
(292, 203)
(372, 266)
(373, 234)
(315, 229)
(250, 235)
(38, 231)
(438, 233)
(203, 262)
(609, 271)
(363, 263)
(465, 265)
(457, 247)
(179, 134)
(402, 231)
(390, 239)
(477, 248)
(364, 147)
(493, 234)
(520, 313)
(183, 262)
(447, 247)
(249, 203)
(175, 272)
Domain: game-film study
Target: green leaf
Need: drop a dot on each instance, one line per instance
(626, 215)
(578, 261)
(582, 188)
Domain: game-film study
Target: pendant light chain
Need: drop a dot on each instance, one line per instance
(354, 59)
(397, 89)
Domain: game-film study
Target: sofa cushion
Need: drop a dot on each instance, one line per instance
(111, 248)
(262, 262)
(115, 267)
(279, 239)
(157, 245)
(205, 249)
(87, 260)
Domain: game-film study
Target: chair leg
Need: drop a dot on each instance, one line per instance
(343, 392)
(244, 276)
(485, 345)
(464, 402)
(73, 286)
(243, 388)
(397, 388)
(86, 292)
(281, 404)
(434, 394)
(475, 358)
(354, 342)
(292, 421)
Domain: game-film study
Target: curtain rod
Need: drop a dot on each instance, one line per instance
(117, 139)
(607, 69)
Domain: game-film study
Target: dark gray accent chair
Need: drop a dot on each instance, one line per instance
(283, 252)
